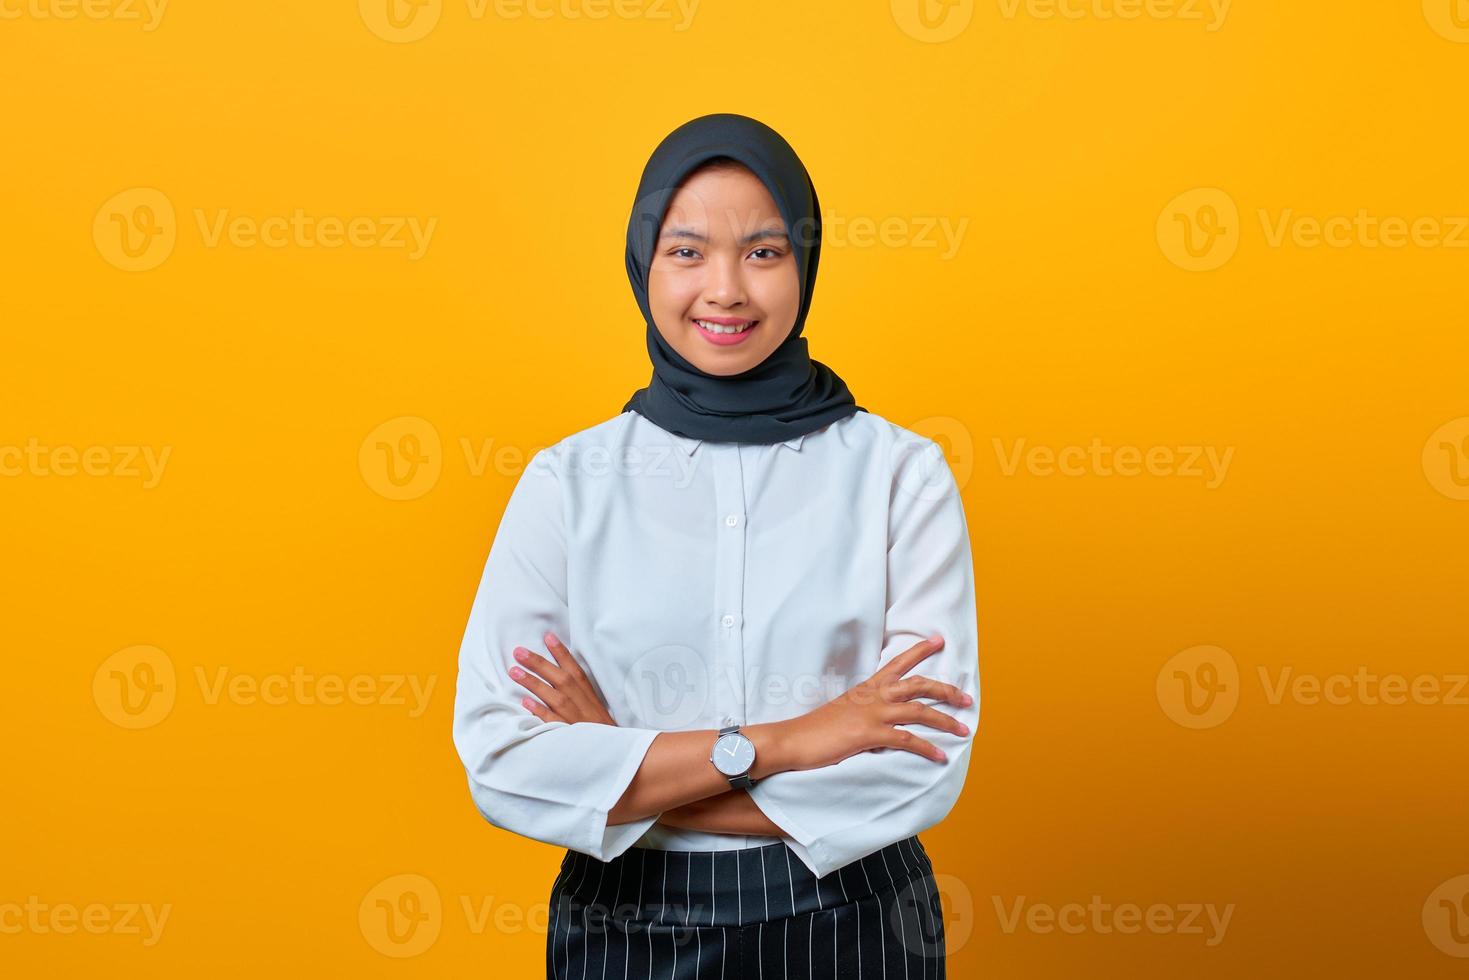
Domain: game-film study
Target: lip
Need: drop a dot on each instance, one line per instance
(725, 339)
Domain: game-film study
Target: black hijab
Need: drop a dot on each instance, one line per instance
(785, 395)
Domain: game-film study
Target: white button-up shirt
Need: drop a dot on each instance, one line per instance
(701, 584)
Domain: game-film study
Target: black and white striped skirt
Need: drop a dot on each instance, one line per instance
(752, 913)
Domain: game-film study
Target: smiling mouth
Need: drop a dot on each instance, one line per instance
(723, 329)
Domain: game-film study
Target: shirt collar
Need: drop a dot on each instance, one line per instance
(689, 444)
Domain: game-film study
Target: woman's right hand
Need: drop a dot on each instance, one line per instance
(863, 718)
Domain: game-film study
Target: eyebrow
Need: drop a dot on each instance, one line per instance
(753, 236)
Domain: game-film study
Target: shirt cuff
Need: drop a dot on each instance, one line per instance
(811, 850)
(607, 841)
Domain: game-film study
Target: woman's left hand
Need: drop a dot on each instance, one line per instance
(565, 693)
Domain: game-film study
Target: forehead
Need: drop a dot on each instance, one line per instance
(723, 201)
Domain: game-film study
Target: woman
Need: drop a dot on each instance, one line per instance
(731, 581)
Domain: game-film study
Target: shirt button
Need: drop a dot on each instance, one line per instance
(732, 520)
(728, 620)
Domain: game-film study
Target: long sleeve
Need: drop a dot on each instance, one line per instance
(841, 813)
(553, 782)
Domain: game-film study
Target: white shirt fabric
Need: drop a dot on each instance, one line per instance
(701, 584)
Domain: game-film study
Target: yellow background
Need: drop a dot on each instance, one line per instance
(1335, 541)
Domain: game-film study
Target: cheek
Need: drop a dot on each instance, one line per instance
(781, 302)
(670, 291)
(781, 296)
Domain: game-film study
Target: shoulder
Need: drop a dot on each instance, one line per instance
(917, 467)
(889, 433)
(604, 435)
(901, 446)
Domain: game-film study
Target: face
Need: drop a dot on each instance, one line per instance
(723, 262)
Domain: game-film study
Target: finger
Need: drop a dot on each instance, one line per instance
(901, 738)
(910, 712)
(533, 661)
(540, 710)
(563, 656)
(573, 689)
(927, 687)
(548, 694)
(910, 658)
(572, 681)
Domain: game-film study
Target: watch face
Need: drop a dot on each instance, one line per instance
(734, 754)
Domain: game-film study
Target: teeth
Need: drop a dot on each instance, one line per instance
(716, 328)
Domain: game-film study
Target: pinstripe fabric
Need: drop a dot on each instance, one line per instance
(756, 913)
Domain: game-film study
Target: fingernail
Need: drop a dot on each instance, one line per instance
(968, 700)
(943, 756)
(517, 673)
(520, 653)
(551, 640)
(525, 702)
(963, 728)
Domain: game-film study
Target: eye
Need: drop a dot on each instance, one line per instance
(679, 253)
(774, 254)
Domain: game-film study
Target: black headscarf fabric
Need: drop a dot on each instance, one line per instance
(785, 395)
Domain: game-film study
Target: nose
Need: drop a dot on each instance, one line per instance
(725, 285)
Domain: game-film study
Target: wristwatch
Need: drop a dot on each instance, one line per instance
(734, 756)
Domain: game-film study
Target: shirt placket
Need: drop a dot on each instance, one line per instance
(729, 583)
